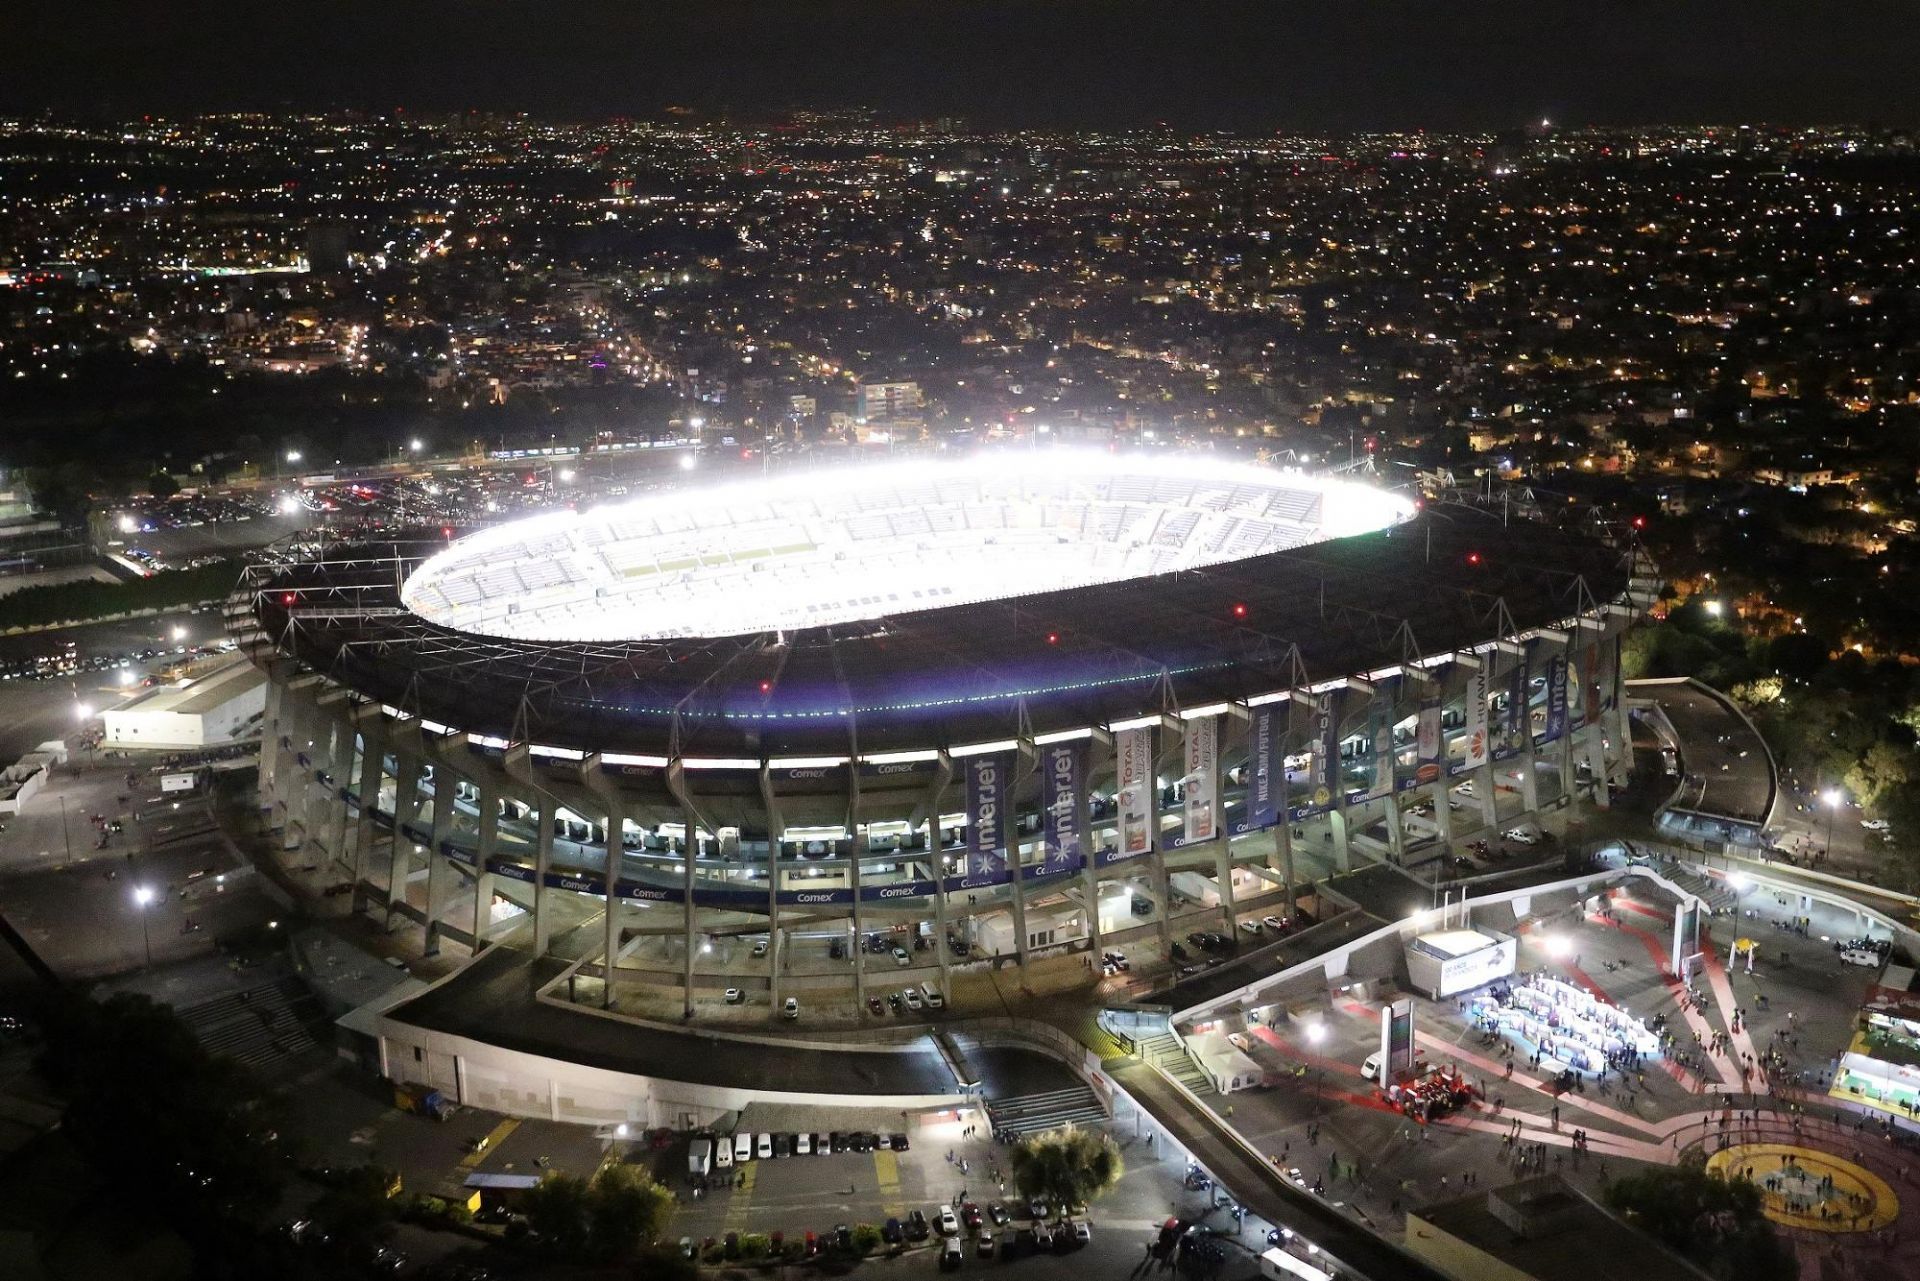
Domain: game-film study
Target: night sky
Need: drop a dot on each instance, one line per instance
(1277, 64)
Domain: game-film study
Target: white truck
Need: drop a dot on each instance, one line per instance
(700, 1159)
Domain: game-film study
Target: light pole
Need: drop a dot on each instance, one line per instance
(1316, 1033)
(142, 897)
(1832, 796)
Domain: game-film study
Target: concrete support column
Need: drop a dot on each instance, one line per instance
(546, 811)
(1443, 810)
(1090, 857)
(1487, 796)
(859, 950)
(1597, 763)
(937, 870)
(692, 822)
(1283, 855)
(616, 848)
(489, 840)
(1396, 834)
(440, 874)
(1341, 838)
(339, 771)
(406, 809)
(270, 734)
(1017, 886)
(373, 747)
(1223, 873)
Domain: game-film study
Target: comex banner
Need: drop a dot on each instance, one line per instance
(1202, 779)
(986, 812)
(1064, 769)
(1134, 770)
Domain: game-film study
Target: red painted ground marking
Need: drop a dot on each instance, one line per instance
(1585, 980)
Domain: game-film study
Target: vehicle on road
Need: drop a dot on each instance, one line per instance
(949, 1222)
(735, 996)
(791, 1008)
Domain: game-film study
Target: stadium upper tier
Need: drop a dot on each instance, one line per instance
(850, 544)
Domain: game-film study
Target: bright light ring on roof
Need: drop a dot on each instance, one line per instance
(847, 544)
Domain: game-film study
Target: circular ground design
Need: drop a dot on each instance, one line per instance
(1804, 1188)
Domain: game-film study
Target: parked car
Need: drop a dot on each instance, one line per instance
(913, 999)
(917, 1226)
(901, 956)
(735, 996)
(876, 1007)
(949, 1222)
(892, 1233)
(790, 1009)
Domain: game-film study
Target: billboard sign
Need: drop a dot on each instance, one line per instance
(986, 812)
(1476, 710)
(1063, 771)
(1266, 768)
(1324, 768)
(1133, 766)
(1202, 780)
(1556, 696)
(1396, 1041)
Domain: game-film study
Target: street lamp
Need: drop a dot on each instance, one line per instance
(1832, 796)
(143, 896)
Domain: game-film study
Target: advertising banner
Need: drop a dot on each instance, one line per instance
(1133, 749)
(1380, 734)
(1518, 682)
(1556, 696)
(1202, 779)
(1063, 772)
(986, 812)
(1396, 1041)
(1266, 767)
(1609, 674)
(1324, 769)
(1476, 710)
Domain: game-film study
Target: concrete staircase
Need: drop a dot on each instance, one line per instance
(261, 1027)
(1166, 1053)
(1714, 893)
(1034, 1113)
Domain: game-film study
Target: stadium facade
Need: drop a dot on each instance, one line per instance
(853, 729)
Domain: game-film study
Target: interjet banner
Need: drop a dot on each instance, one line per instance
(986, 812)
(1266, 767)
(1556, 696)
(1133, 767)
(1063, 771)
(1202, 779)
(1477, 715)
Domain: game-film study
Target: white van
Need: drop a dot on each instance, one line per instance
(722, 1154)
(742, 1148)
(935, 1001)
(700, 1158)
(1371, 1068)
(1860, 956)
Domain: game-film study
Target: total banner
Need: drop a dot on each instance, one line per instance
(1063, 776)
(1202, 780)
(1266, 767)
(1476, 709)
(986, 812)
(1133, 765)
(1324, 770)
(1556, 697)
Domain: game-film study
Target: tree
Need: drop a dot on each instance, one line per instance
(1067, 1165)
(557, 1211)
(613, 1218)
(162, 485)
(1884, 767)
(627, 1211)
(1715, 1222)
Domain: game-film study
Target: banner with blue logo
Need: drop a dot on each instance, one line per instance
(1556, 697)
(1063, 772)
(1266, 767)
(986, 812)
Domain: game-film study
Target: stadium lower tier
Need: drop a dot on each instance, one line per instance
(820, 878)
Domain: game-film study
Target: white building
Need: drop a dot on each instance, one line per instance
(203, 711)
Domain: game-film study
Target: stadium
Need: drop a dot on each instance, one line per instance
(857, 728)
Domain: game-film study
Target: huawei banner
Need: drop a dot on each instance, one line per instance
(986, 812)
(1202, 779)
(1063, 774)
(1133, 749)
(1266, 767)
(1477, 716)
